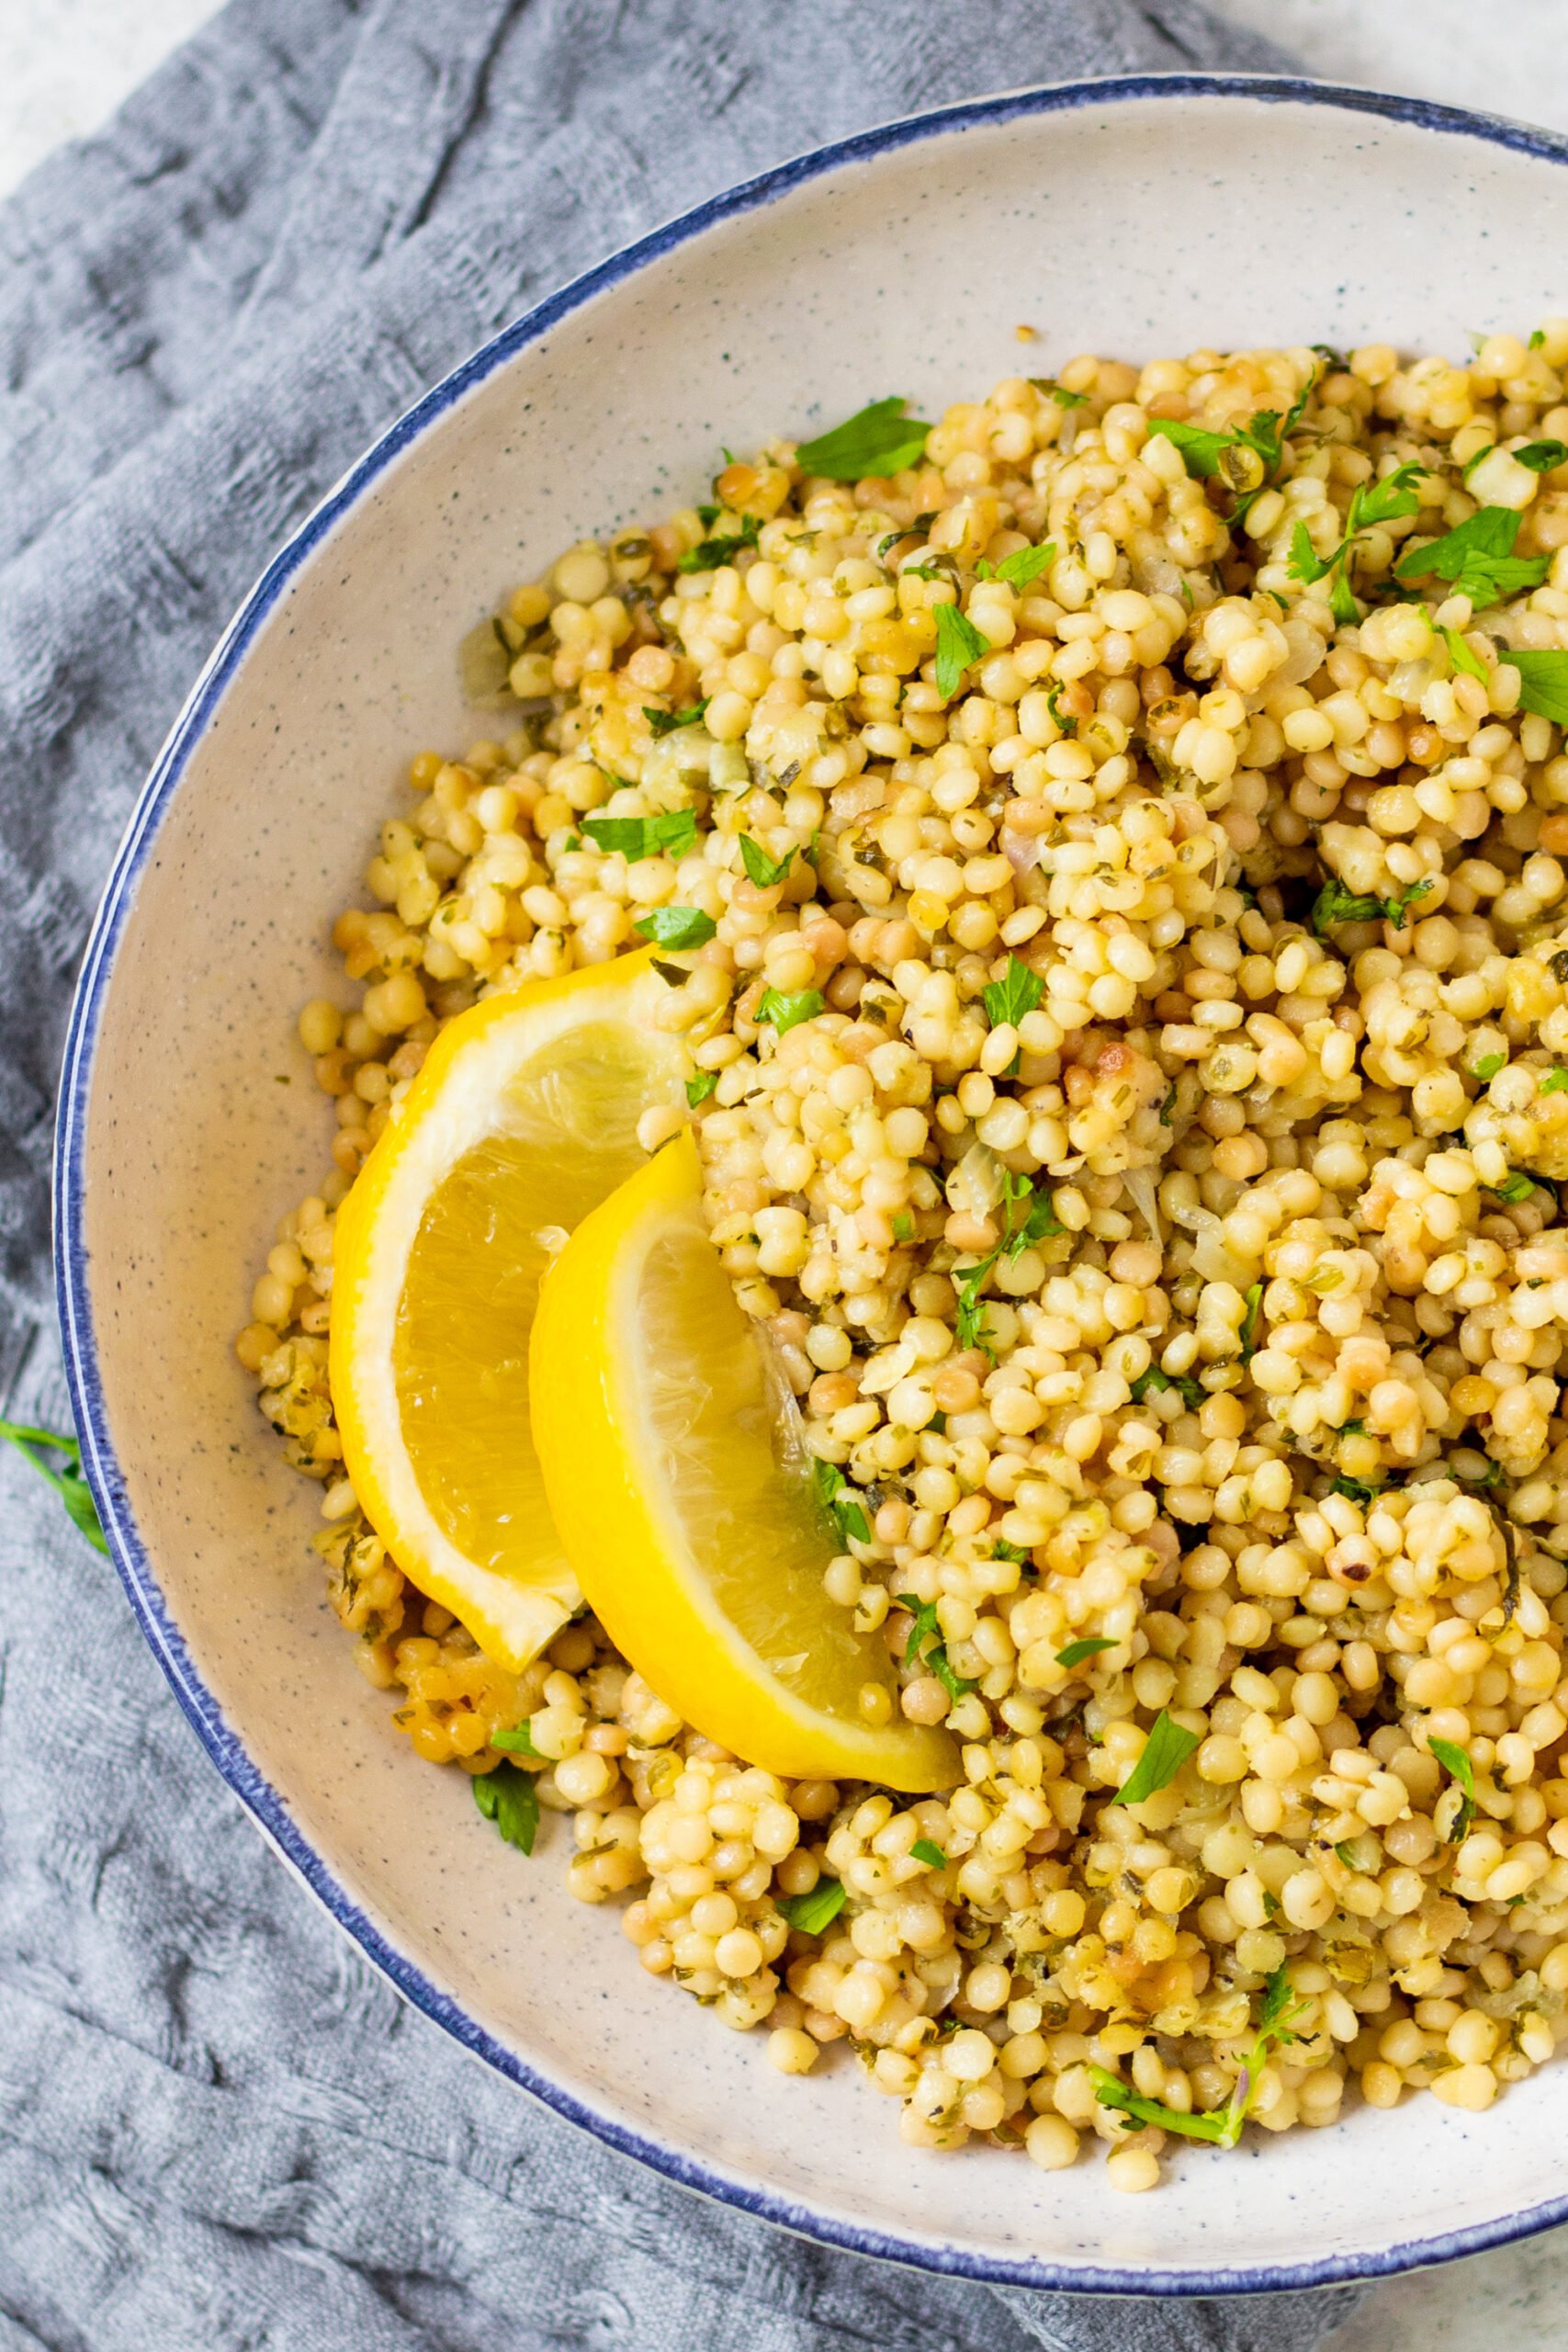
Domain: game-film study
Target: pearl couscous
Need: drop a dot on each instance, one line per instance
(1129, 1049)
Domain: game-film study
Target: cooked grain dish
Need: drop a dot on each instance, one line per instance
(1128, 1037)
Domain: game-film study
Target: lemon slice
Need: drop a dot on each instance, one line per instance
(686, 1511)
(522, 1118)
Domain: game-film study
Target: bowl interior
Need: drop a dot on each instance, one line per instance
(1142, 221)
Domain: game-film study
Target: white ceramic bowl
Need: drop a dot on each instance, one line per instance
(1139, 217)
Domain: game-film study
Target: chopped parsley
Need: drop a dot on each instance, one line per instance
(1518, 1184)
(1385, 501)
(841, 1501)
(1070, 724)
(1336, 904)
(1250, 1319)
(1556, 1079)
(68, 1482)
(698, 1089)
(926, 1646)
(676, 926)
(1002, 1550)
(519, 1741)
(1206, 453)
(1020, 567)
(1090, 1646)
(507, 1796)
(1541, 456)
(1456, 1763)
(925, 1850)
(1167, 1749)
(1059, 393)
(664, 722)
(813, 1913)
(1017, 993)
(1537, 340)
(781, 1011)
(958, 644)
(878, 440)
(764, 871)
(640, 837)
(709, 554)
(906, 531)
(1154, 1381)
(903, 1226)
(1489, 1065)
(1220, 2125)
(1463, 657)
(1354, 1490)
(1027, 1217)
(1478, 559)
(1543, 682)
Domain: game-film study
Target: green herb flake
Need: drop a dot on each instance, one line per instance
(519, 1741)
(903, 1226)
(1069, 725)
(958, 644)
(508, 1797)
(1456, 1763)
(1002, 1550)
(1354, 1490)
(1541, 456)
(1059, 392)
(1347, 1853)
(841, 1501)
(1221, 2126)
(1477, 560)
(1017, 993)
(639, 837)
(815, 1913)
(1025, 564)
(676, 927)
(1486, 1069)
(664, 722)
(709, 554)
(1543, 682)
(764, 871)
(1537, 340)
(1463, 657)
(1249, 1321)
(781, 1011)
(877, 441)
(1518, 1185)
(1556, 1079)
(68, 1483)
(1167, 1749)
(924, 1850)
(1154, 1381)
(698, 1089)
(925, 1646)
(1090, 1646)
(1201, 450)
(1334, 904)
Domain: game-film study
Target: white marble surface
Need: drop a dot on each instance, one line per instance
(64, 64)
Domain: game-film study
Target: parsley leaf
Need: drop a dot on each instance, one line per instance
(903, 1226)
(1037, 1222)
(783, 1012)
(1554, 1082)
(1543, 682)
(1354, 1490)
(1489, 1065)
(709, 554)
(664, 722)
(1003, 1550)
(1384, 502)
(1220, 2125)
(1541, 456)
(958, 644)
(1456, 1763)
(508, 1797)
(1336, 904)
(1463, 657)
(879, 439)
(1399, 906)
(1200, 449)
(813, 1913)
(516, 1742)
(1018, 568)
(760, 868)
(1167, 1749)
(68, 1483)
(1155, 1380)
(1250, 1319)
(1063, 398)
(1477, 559)
(926, 1646)
(1017, 993)
(1090, 1646)
(841, 1501)
(924, 1850)
(676, 926)
(698, 1089)
(640, 837)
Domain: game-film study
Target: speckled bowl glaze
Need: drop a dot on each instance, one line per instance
(1139, 217)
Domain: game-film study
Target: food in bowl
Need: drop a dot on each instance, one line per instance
(1003, 984)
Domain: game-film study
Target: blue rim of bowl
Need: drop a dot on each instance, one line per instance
(72, 1284)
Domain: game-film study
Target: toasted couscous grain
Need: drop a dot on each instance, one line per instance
(1126, 1074)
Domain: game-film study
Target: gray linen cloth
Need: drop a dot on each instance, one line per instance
(219, 2128)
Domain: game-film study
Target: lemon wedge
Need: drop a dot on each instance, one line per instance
(522, 1118)
(684, 1507)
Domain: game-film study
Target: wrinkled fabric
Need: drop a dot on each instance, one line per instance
(220, 2129)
